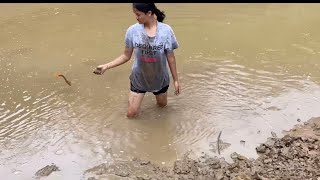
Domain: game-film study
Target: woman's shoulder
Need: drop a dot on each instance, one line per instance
(134, 26)
(165, 26)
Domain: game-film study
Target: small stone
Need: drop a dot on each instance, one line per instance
(273, 134)
(241, 157)
(144, 162)
(237, 156)
(304, 139)
(17, 172)
(143, 177)
(59, 152)
(299, 120)
(47, 170)
(261, 149)
(164, 169)
(312, 152)
(243, 177)
(219, 175)
(213, 162)
(242, 142)
(259, 177)
(92, 178)
(314, 126)
(267, 161)
(234, 155)
(122, 174)
(270, 143)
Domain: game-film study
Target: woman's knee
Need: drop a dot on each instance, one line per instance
(162, 100)
(162, 103)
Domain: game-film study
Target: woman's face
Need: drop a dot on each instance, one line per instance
(141, 17)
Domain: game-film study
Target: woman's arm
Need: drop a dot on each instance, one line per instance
(123, 58)
(173, 68)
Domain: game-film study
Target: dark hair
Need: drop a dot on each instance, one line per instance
(146, 7)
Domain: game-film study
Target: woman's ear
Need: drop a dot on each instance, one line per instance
(149, 13)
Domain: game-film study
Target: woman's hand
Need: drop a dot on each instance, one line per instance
(177, 87)
(101, 69)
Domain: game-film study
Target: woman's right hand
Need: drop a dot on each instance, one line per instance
(101, 69)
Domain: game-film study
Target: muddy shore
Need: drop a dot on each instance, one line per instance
(294, 156)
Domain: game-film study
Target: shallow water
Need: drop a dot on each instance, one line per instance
(245, 70)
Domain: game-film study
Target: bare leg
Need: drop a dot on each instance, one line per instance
(134, 104)
(162, 99)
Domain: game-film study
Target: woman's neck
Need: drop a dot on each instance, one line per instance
(151, 23)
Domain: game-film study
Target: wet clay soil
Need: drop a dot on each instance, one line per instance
(294, 156)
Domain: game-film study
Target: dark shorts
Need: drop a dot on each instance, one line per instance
(163, 90)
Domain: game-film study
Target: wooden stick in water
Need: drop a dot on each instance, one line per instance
(65, 79)
(218, 142)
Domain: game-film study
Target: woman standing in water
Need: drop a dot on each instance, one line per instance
(153, 43)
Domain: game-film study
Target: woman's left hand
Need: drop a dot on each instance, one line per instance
(177, 87)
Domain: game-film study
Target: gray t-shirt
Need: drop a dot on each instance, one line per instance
(150, 70)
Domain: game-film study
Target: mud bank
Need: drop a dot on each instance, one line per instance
(294, 156)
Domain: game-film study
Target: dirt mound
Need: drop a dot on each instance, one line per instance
(294, 156)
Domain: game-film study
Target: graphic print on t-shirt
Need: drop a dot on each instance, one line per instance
(148, 51)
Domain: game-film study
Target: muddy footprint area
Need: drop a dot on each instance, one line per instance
(294, 156)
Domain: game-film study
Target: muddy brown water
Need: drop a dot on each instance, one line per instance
(245, 69)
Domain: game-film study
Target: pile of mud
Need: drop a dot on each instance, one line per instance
(294, 156)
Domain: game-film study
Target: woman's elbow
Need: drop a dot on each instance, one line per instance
(126, 57)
